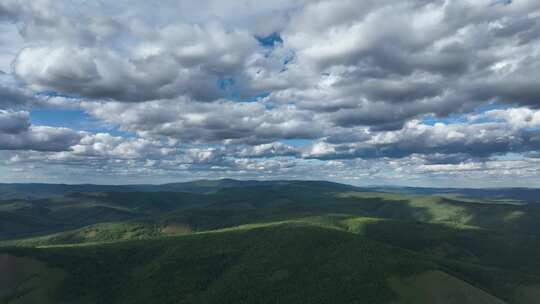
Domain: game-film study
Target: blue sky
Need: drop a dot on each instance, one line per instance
(74, 119)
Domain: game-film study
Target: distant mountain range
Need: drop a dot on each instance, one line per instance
(42, 190)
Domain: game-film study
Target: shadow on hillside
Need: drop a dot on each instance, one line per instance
(506, 217)
(493, 260)
(381, 207)
(245, 205)
(503, 217)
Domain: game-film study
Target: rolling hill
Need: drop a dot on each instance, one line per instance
(230, 241)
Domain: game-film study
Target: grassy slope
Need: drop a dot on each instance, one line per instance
(279, 263)
(276, 263)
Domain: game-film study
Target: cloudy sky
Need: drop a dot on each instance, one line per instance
(417, 92)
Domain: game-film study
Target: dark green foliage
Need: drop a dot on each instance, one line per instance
(279, 263)
(268, 242)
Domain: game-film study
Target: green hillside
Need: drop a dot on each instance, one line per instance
(268, 242)
(277, 263)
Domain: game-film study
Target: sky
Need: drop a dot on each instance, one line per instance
(442, 93)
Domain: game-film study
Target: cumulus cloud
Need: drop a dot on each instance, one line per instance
(455, 141)
(268, 150)
(94, 55)
(14, 122)
(517, 118)
(383, 63)
(16, 133)
(12, 96)
(225, 121)
(107, 146)
(190, 61)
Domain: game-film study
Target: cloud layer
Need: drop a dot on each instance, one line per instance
(360, 92)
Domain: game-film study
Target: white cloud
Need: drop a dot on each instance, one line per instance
(232, 122)
(517, 118)
(17, 133)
